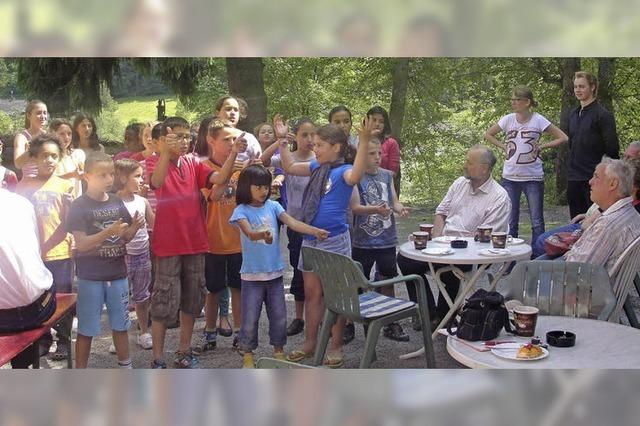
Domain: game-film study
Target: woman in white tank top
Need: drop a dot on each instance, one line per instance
(36, 117)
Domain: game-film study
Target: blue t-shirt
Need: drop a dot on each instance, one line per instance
(375, 231)
(332, 211)
(257, 256)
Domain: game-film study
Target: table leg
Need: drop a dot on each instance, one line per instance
(462, 294)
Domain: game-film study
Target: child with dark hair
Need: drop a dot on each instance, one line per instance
(101, 226)
(8, 179)
(51, 198)
(180, 236)
(390, 148)
(132, 143)
(85, 133)
(262, 267)
(341, 116)
(304, 131)
(325, 203)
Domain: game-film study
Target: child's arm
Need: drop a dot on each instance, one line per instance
(167, 146)
(268, 153)
(289, 166)
(254, 235)
(60, 233)
(365, 132)
(149, 214)
(360, 210)
(223, 176)
(302, 227)
(398, 208)
(490, 135)
(85, 243)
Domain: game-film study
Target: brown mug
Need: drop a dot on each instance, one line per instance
(499, 240)
(419, 239)
(427, 227)
(525, 318)
(483, 234)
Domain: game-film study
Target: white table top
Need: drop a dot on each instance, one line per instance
(466, 256)
(599, 344)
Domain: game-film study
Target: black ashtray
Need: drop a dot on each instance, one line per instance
(561, 339)
(459, 244)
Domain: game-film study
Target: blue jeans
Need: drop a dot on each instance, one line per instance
(253, 294)
(538, 244)
(534, 192)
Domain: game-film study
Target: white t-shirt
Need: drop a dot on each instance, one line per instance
(522, 139)
(23, 276)
(140, 242)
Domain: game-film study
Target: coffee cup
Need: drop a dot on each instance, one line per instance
(525, 318)
(499, 240)
(427, 227)
(419, 239)
(483, 234)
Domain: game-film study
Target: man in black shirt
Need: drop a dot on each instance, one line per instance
(592, 134)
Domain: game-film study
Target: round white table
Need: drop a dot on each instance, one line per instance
(466, 256)
(599, 344)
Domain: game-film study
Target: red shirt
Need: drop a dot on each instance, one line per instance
(390, 155)
(137, 156)
(180, 222)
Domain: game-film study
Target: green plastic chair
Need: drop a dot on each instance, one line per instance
(572, 289)
(628, 306)
(341, 279)
(266, 362)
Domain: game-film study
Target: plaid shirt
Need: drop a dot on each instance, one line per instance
(609, 235)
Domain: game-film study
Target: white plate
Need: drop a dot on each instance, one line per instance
(515, 241)
(437, 251)
(494, 252)
(510, 351)
(445, 240)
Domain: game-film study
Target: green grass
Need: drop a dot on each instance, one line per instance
(142, 108)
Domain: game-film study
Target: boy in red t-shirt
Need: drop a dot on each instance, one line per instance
(180, 236)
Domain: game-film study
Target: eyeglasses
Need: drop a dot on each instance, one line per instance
(183, 136)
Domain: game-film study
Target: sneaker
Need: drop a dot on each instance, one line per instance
(296, 327)
(206, 342)
(155, 364)
(185, 360)
(395, 332)
(112, 348)
(247, 360)
(145, 341)
(349, 333)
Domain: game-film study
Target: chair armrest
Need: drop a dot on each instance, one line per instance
(396, 280)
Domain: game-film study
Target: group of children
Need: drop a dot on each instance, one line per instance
(205, 214)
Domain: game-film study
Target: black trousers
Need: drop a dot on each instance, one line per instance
(578, 197)
(451, 284)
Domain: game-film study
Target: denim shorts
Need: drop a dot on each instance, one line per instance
(340, 244)
(92, 296)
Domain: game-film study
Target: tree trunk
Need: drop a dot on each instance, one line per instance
(245, 80)
(569, 67)
(396, 110)
(606, 75)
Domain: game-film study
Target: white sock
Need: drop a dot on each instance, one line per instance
(126, 364)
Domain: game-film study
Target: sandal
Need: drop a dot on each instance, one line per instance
(226, 332)
(298, 355)
(334, 361)
(185, 360)
(61, 353)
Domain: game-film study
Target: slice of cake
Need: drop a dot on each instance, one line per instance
(529, 351)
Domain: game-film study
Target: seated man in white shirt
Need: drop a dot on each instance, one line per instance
(618, 225)
(27, 298)
(473, 200)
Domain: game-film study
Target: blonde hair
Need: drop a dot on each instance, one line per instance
(591, 79)
(522, 91)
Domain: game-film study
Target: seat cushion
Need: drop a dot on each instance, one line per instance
(373, 305)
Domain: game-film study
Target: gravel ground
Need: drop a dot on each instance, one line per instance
(225, 357)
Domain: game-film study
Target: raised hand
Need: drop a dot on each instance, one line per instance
(280, 127)
(169, 143)
(367, 129)
(239, 144)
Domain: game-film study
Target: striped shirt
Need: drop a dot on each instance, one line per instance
(609, 235)
(466, 209)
